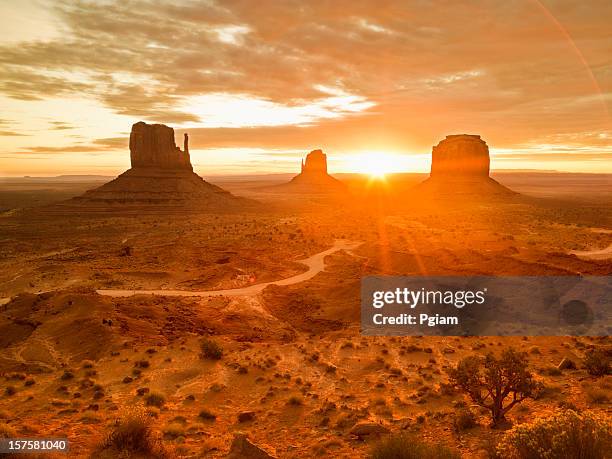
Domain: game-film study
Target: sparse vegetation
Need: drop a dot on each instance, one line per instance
(210, 349)
(597, 361)
(295, 401)
(403, 446)
(565, 435)
(490, 381)
(206, 415)
(132, 436)
(155, 399)
(464, 419)
(7, 431)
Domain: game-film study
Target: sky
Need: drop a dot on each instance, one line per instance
(259, 84)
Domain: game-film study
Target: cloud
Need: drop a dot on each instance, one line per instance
(414, 71)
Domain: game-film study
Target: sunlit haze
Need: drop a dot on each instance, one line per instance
(373, 85)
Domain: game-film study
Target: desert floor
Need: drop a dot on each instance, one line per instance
(292, 354)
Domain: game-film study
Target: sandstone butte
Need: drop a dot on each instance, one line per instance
(161, 174)
(460, 166)
(313, 177)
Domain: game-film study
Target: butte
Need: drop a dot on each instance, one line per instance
(161, 177)
(313, 177)
(460, 166)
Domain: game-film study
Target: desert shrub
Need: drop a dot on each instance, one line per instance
(295, 401)
(132, 436)
(10, 391)
(142, 364)
(597, 362)
(404, 446)
(210, 349)
(552, 371)
(155, 399)
(464, 419)
(565, 435)
(67, 375)
(597, 395)
(206, 415)
(489, 382)
(7, 431)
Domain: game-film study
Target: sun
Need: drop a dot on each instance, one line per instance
(376, 164)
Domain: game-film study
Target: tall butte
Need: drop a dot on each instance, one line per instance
(460, 166)
(313, 177)
(161, 175)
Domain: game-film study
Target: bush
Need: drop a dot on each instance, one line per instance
(210, 349)
(295, 401)
(596, 395)
(206, 415)
(565, 435)
(155, 399)
(404, 446)
(132, 436)
(464, 419)
(7, 431)
(597, 362)
(490, 381)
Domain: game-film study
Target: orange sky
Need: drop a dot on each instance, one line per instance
(258, 84)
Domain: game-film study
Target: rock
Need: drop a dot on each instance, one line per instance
(243, 448)
(313, 177)
(566, 364)
(152, 145)
(316, 163)
(461, 154)
(368, 429)
(246, 416)
(460, 169)
(161, 178)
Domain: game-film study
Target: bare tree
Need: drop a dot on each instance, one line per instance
(495, 383)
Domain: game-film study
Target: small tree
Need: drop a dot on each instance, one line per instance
(496, 384)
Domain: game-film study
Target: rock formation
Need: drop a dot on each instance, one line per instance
(460, 167)
(161, 175)
(460, 155)
(152, 145)
(313, 177)
(316, 163)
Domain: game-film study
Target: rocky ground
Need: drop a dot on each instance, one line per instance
(295, 375)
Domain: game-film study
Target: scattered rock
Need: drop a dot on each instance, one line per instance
(243, 448)
(246, 416)
(566, 364)
(368, 429)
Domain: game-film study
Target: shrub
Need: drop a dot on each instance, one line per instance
(67, 375)
(155, 399)
(7, 431)
(295, 401)
(464, 419)
(142, 364)
(132, 436)
(596, 395)
(565, 435)
(206, 415)
(210, 349)
(490, 381)
(403, 446)
(597, 362)
(10, 391)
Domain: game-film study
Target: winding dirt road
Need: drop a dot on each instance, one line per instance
(315, 265)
